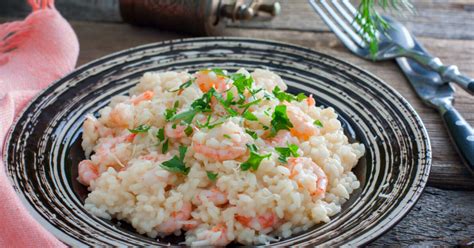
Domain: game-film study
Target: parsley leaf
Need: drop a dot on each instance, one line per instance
(249, 116)
(212, 176)
(227, 136)
(225, 103)
(186, 116)
(280, 120)
(169, 113)
(285, 152)
(253, 162)
(164, 148)
(183, 86)
(176, 164)
(242, 82)
(188, 131)
(140, 129)
(252, 133)
(318, 123)
(161, 134)
(284, 96)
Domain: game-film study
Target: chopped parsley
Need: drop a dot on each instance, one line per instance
(252, 133)
(212, 176)
(208, 123)
(140, 129)
(253, 162)
(242, 82)
(161, 134)
(164, 148)
(249, 116)
(227, 136)
(188, 131)
(176, 164)
(285, 152)
(226, 102)
(184, 86)
(170, 113)
(318, 123)
(280, 120)
(284, 96)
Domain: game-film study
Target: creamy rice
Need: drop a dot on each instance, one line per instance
(266, 164)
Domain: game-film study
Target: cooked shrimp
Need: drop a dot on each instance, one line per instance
(176, 220)
(157, 174)
(310, 100)
(217, 236)
(308, 175)
(303, 126)
(177, 132)
(207, 80)
(88, 172)
(262, 223)
(121, 116)
(215, 146)
(214, 195)
(281, 139)
(93, 130)
(113, 151)
(147, 95)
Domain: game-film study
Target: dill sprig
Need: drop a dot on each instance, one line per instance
(370, 20)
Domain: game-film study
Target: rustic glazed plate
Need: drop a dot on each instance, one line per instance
(43, 149)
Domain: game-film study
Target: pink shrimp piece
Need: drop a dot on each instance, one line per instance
(281, 139)
(177, 132)
(303, 126)
(217, 236)
(214, 195)
(145, 96)
(215, 146)
(122, 115)
(310, 100)
(303, 171)
(176, 220)
(262, 223)
(207, 80)
(87, 172)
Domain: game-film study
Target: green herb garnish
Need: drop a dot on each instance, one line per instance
(318, 123)
(161, 134)
(212, 176)
(284, 96)
(280, 120)
(188, 130)
(176, 164)
(169, 113)
(252, 133)
(140, 129)
(227, 136)
(249, 116)
(285, 152)
(164, 148)
(253, 162)
(184, 85)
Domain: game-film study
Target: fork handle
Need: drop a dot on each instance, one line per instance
(461, 133)
(448, 73)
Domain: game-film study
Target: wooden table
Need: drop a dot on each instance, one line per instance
(442, 216)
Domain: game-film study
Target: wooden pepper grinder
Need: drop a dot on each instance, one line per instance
(198, 17)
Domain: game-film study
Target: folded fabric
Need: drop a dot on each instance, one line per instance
(33, 53)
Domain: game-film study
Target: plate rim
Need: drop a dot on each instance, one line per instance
(375, 233)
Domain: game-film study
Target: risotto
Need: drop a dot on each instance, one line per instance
(217, 156)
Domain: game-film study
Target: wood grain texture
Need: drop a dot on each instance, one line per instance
(440, 218)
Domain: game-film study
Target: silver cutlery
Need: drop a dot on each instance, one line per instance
(339, 17)
(429, 84)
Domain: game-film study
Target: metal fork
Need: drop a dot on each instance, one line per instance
(340, 19)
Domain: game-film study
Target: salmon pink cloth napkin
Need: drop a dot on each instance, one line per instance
(33, 53)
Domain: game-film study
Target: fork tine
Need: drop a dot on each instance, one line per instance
(346, 40)
(350, 17)
(353, 35)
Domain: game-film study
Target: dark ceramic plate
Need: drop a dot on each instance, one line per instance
(43, 149)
